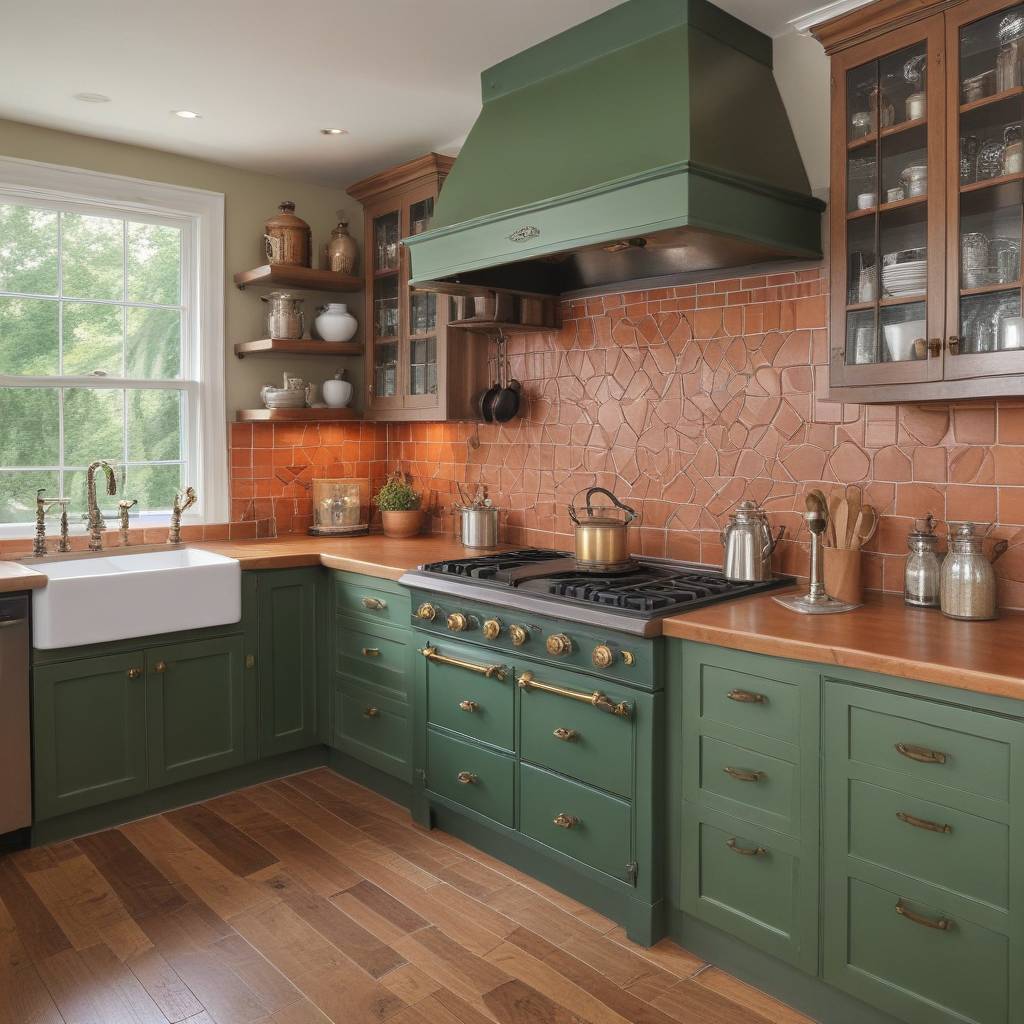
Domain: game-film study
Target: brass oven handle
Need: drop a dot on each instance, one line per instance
(468, 705)
(569, 735)
(596, 699)
(943, 924)
(466, 778)
(566, 820)
(928, 826)
(921, 754)
(743, 775)
(375, 604)
(747, 697)
(371, 652)
(490, 671)
(371, 713)
(746, 851)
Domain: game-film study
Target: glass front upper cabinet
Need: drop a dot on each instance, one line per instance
(421, 369)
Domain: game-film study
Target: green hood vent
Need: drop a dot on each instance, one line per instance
(649, 141)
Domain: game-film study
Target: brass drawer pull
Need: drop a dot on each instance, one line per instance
(595, 699)
(371, 652)
(928, 826)
(943, 924)
(134, 673)
(747, 697)
(743, 775)
(922, 754)
(569, 735)
(566, 821)
(491, 671)
(746, 851)
(466, 778)
(468, 705)
(375, 604)
(160, 666)
(371, 713)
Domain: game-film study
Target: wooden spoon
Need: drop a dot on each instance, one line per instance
(864, 528)
(853, 502)
(842, 523)
(833, 510)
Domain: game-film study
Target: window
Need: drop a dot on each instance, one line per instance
(111, 345)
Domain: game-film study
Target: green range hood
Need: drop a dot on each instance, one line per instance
(650, 141)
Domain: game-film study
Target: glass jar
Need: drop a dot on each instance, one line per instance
(923, 572)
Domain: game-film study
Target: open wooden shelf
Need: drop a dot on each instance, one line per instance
(887, 133)
(273, 276)
(294, 415)
(268, 346)
(988, 289)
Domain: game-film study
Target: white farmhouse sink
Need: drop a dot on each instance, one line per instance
(97, 598)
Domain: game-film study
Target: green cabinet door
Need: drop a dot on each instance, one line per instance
(195, 708)
(286, 660)
(88, 732)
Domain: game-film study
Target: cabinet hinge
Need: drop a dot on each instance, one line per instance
(250, 661)
(631, 870)
(421, 775)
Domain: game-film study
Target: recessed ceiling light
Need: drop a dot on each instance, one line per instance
(91, 97)
(334, 131)
(189, 115)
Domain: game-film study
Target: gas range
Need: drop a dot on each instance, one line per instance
(545, 582)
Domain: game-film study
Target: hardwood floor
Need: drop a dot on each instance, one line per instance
(309, 900)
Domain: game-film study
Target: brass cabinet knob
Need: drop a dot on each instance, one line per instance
(466, 778)
(628, 658)
(134, 673)
(160, 666)
(458, 622)
(375, 604)
(426, 611)
(569, 735)
(468, 705)
(519, 635)
(954, 344)
(371, 713)
(558, 644)
(935, 347)
(371, 652)
(603, 656)
(492, 629)
(566, 821)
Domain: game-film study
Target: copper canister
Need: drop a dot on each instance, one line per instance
(287, 239)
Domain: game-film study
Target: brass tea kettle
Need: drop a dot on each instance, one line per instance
(602, 533)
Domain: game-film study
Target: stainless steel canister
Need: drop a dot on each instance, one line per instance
(479, 526)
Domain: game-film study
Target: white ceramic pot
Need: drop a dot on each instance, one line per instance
(337, 393)
(900, 338)
(335, 323)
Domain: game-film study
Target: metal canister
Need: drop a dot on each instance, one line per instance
(479, 525)
(921, 578)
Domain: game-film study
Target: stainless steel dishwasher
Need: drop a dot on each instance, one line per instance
(15, 742)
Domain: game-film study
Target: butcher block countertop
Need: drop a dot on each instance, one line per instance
(14, 576)
(883, 635)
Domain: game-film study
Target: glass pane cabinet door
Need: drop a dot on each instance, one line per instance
(986, 330)
(887, 278)
(386, 313)
(422, 352)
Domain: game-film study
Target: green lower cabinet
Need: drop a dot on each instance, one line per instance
(592, 827)
(373, 729)
(476, 777)
(375, 655)
(89, 732)
(194, 709)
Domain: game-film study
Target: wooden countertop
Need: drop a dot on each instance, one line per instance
(14, 577)
(884, 635)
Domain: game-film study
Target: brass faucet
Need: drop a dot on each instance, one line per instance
(122, 510)
(42, 506)
(96, 522)
(189, 495)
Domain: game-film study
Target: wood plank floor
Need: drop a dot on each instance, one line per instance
(311, 900)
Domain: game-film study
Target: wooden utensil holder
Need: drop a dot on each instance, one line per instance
(843, 575)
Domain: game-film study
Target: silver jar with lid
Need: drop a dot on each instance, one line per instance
(922, 575)
(968, 582)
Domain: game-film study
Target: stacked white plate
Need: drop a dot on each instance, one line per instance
(909, 278)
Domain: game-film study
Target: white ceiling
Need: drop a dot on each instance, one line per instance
(402, 76)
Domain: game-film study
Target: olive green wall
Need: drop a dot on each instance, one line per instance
(248, 200)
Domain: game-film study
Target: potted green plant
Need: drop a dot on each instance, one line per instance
(399, 505)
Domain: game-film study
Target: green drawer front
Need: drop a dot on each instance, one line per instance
(489, 788)
(467, 702)
(972, 761)
(971, 859)
(755, 704)
(372, 730)
(924, 975)
(595, 747)
(755, 786)
(375, 656)
(601, 825)
(367, 598)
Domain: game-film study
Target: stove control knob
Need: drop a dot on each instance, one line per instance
(457, 622)
(492, 629)
(628, 658)
(603, 656)
(558, 644)
(519, 635)
(426, 611)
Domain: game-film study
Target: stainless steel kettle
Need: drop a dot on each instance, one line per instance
(749, 544)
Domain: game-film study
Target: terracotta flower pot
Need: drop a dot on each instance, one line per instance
(402, 524)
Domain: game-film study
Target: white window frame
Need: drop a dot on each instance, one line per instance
(200, 214)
